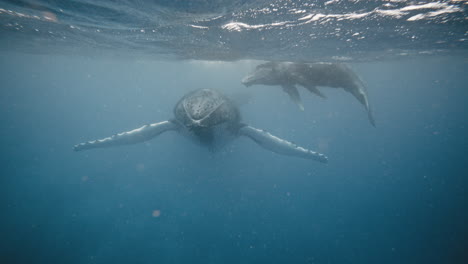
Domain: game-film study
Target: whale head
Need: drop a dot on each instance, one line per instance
(267, 74)
(205, 108)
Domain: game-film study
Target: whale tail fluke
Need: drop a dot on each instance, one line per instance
(360, 93)
(371, 117)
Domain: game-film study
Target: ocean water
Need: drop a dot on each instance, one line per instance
(72, 71)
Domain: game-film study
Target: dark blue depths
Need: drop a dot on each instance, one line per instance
(391, 194)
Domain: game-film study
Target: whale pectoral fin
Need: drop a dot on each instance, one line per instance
(280, 146)
(313, 89)
(138, 135)
(293, 93)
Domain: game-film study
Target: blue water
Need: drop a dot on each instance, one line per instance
(396, 193)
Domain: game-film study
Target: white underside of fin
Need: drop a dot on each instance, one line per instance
(138, 135)
(280, 146)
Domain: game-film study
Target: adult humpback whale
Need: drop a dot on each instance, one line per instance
(210, 118)
(309, 76)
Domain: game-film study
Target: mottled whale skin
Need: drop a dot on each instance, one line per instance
(310, 76)
(211, 119)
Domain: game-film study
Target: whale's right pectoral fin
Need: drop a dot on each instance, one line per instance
(280, 146)
(313, 89)
(138, 135)
(293, 93)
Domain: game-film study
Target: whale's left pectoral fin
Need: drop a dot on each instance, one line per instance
(280, 146)
(138, 135)
(293, 93)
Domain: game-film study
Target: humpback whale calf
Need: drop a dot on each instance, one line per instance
(309, 76)
(209, 118)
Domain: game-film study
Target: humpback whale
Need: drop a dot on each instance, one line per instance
(289, 74)
(209, 118)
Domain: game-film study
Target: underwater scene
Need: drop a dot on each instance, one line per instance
(233, 131)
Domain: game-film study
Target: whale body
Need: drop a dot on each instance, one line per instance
(209, 118)
(310, 75)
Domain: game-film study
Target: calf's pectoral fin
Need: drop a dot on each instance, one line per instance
(138, 135)
(280, 146)
(313, 89)
(293, 93)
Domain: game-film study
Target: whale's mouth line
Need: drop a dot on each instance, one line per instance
(199, 122)
(247, 81)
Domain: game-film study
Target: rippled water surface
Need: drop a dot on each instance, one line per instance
(343, 30)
